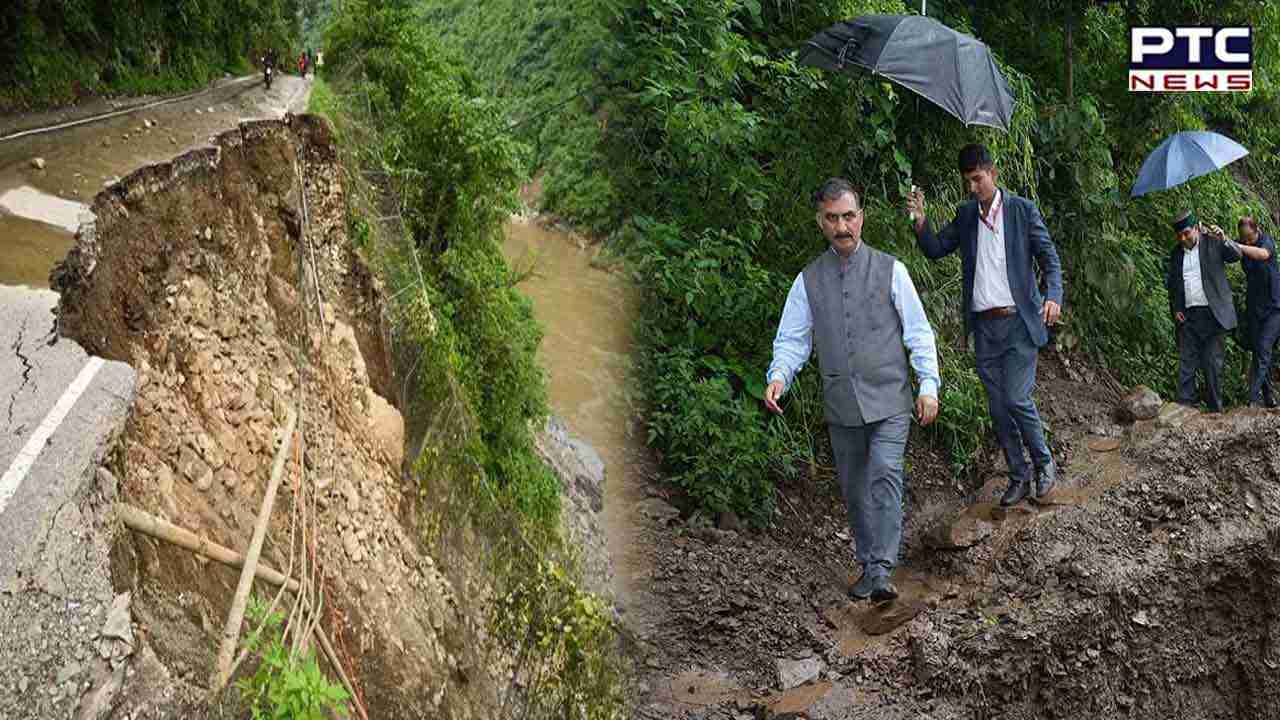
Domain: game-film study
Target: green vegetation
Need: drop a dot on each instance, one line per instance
(286, 685)
(714, 138)
(544, 58)
(57, 52)
(432, 176)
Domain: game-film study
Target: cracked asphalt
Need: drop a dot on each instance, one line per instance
(61, 409)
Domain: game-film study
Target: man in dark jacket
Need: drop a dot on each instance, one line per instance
(998, 234)
(1263, 303)
(1201, 303)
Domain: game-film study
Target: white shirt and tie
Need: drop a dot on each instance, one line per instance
(991, 276)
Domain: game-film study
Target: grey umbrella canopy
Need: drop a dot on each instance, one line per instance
(1183, 156)
(950, 69)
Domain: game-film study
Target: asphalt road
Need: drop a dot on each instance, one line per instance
(58, 409)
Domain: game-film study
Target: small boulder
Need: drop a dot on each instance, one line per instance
(794, 673)
(1173, 415)
(959, 532)
(728, 520)
(37, 163)
(1141, 404)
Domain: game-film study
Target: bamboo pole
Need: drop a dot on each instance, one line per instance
(342, 672)
(155, 527)
(231, 633)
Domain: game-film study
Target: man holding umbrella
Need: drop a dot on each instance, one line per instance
(998, 234)
(1263, 305)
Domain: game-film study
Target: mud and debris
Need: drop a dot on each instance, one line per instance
(1142, 591)
(197, 272)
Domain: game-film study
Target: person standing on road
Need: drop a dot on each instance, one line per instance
(1263, 306)
(998, 233)
(860, 308)
(1201, 303)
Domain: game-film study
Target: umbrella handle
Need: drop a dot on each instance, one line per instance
(853, 43)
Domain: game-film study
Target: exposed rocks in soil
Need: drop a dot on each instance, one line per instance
(582, 478)
(193, 274)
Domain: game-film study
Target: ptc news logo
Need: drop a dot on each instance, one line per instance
(1190, 59)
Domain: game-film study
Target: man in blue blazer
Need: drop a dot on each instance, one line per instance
(998, 233)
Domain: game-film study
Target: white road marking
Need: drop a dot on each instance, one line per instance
(27, 456)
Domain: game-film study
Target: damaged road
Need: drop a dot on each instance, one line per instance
(64, 409)
(61, 408)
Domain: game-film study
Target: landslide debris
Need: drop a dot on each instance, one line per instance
(202, 273)
(1145, 591)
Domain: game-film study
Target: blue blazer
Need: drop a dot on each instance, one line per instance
(1025, 236)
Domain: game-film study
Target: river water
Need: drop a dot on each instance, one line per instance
(587, 314)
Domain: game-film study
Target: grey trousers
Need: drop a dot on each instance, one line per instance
(869, 466)
(1005, 357)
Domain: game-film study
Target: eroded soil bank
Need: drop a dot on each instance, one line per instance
(47, 180)
(225, 278)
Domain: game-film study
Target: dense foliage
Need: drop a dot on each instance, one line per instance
(715, 138)
(55, 51)
(544, 59)
(444, 175)
(454, 171)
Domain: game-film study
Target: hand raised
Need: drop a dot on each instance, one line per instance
(915, 205)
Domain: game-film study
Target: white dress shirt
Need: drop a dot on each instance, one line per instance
(1193, 288)
(794, 341)
(991, 276)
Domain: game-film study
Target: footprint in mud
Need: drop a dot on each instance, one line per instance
(886, 616)
(979, 523)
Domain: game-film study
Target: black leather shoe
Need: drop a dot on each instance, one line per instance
(861, 590)
(1046, 479)
(1019, 489)
(883, 590)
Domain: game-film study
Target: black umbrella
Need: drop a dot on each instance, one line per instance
(950, 69)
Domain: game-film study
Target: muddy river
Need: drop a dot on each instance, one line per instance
(587, 316)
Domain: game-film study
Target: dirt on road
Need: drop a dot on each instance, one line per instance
(47, 179)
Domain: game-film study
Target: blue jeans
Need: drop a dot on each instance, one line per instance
(869, 467)
(1006, 359)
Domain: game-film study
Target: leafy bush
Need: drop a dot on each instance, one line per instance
(573, 632)
(442, 146)
(285, 686)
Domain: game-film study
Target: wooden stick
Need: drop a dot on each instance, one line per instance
(155, 527)
(342, 672)
(231, 633)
